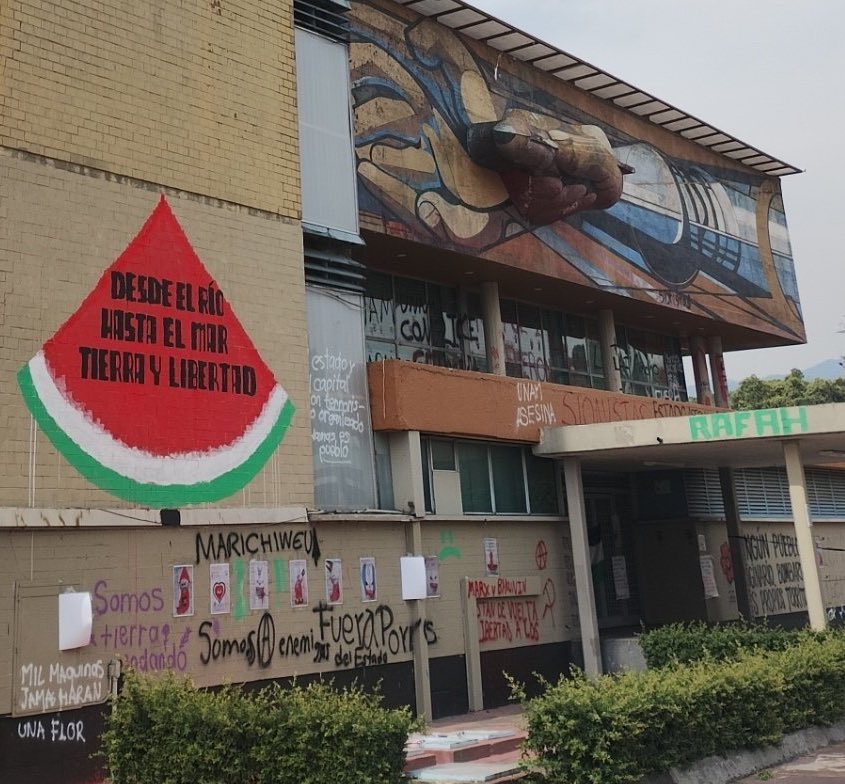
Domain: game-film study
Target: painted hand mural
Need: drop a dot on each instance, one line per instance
(459, 149)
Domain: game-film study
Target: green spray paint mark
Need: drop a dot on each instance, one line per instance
(280, 569)
(239, 610)
(448, 550)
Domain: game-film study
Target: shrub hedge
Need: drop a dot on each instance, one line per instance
(682, 643)
(618, 728)
(166, 731)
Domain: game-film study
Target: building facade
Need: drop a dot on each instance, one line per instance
(291, 292)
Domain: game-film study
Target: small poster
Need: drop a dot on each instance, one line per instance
(491, 557)
(708, 577)
(702, 543)
(183, 590)
(334, 581)
(298, 583)
(432, 576)
(620, 577)
(221, 596)
(259, 586)
(369, 589)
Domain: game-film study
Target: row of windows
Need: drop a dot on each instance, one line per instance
(442, 325)
(493, 478)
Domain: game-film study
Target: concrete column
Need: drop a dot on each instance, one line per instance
(703, 392)
(726, 480)
(422, 673)
(590, 642)
(609, 350)
(494, 337)
(406, 467)
(804, 534)
(717, 372)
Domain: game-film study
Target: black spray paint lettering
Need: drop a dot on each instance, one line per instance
(368, 636)
(224, 547)
(257, 646)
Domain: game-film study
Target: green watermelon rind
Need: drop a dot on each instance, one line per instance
(157, 496)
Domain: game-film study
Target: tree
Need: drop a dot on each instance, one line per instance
(794, 390)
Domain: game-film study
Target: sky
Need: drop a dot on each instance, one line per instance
(768, 72)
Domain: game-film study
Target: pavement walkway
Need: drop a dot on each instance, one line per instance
(827, 764)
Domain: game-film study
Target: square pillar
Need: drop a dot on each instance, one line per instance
(590, 641)
(494, 337)
(804, 534)
(422, 673)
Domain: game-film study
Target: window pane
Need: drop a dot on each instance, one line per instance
(557, 359)
(412, 320)
(378, 306)
(576, 342)
(442, 455)
(424, 446)
(510, 331)
(378, 350)
(533, 344)
(508, 481)
(475, 478)
(542, 494)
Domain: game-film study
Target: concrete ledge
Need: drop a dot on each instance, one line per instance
(720, 770)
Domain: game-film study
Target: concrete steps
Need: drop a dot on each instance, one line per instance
(471, 756)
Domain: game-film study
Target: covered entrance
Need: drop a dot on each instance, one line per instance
(790, 436)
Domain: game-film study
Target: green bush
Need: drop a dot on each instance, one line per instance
(618, 728)
(166, 731)
(682, 643)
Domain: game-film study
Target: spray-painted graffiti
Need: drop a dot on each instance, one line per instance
(236, 544)
(58, 686)
(514, 620)
(150, 646)
(341, 639)
(531, 408)
(56, 730)
(773, 572)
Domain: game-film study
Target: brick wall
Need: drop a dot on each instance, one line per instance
(199, 96)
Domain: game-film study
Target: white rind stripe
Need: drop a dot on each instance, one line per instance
(187, 468)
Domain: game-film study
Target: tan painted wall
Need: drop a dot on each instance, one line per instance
(197, 96)
(60, 229)
(130, 574)
(411, 396)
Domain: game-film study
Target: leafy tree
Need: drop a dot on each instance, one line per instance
(794, 390)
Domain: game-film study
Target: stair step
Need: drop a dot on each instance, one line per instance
(469, 773)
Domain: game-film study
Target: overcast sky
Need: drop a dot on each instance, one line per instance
(769, 72)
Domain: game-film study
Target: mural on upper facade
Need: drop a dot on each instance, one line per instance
(152, 389)
(457, 147)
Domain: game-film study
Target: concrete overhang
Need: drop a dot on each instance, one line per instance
(721, 439)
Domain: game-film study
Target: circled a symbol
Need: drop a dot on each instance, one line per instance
(541, 555)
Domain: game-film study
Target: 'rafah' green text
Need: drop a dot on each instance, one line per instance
(749, 424)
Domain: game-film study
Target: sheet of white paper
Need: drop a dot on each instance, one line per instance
(708, 577)
(412, 569)
(75, 620)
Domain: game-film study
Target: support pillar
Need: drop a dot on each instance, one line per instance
(703, 392)
(726, 481)
(590, 641)
(609, 351)
(717, 372)
(804, 534)
(494, 338)
(422, 673)
(407, 471)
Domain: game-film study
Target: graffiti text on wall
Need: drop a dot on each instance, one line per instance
(513, 620)
(57, 686)
(338, 407)
(57, 730)
(148, 647)
(341, 639)
(237, 544)
(775, 579)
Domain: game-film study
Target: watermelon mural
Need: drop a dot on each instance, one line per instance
(152, 389)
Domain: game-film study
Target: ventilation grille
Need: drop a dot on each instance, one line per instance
(334, 269)
(326, 17)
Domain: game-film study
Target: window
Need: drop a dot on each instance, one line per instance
(423, 322)
(546, 345)
(494, 478)
(650, 364)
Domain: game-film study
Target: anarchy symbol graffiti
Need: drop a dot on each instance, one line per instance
(541, 555)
